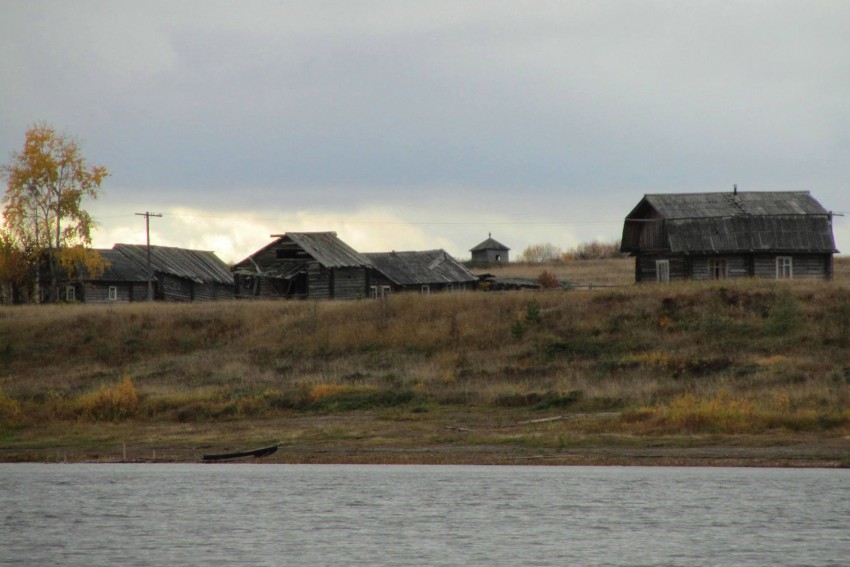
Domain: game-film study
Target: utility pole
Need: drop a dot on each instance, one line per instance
(148, 215)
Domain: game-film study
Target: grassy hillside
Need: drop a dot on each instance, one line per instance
(472, 377)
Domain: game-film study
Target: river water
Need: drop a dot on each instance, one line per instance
(126, 514)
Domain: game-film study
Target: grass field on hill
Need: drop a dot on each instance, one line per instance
(745, 372)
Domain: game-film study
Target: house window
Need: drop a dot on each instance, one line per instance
(450, 288)
(784, 268)
(718, 268)
(425, 290)
(113, 293)
(379, 291)
(662, 270)
(498, 257)
(70, 293)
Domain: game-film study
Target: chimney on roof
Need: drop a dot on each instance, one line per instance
(735, 189)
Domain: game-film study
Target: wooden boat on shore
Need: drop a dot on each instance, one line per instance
(256, 453)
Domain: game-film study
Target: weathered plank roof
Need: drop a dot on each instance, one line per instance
(119, 268)
(728, 204)
(420, 267)
(196, 265)
(326, 248)
(489, 244)
(695, 223)
(750, 233)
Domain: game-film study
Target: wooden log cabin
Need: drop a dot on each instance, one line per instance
(177, 274)
(711, 236)
(424, 272)
(304, 265)
(181, 274)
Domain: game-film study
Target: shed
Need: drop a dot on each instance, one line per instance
(421, 271)
(490, 251)
(734, 234)
(181, 274)
(301, 265)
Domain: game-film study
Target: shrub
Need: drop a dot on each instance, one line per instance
(548, 280)
(110, 403)
(784, 316)
(10, 410)
(595, 250)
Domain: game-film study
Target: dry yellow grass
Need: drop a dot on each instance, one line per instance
(731, 358)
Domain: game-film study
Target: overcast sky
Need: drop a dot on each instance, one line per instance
(418, 125)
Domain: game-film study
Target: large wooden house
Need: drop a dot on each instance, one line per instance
(705, 236)
(176, 274)
(424, 272)
(302, 265)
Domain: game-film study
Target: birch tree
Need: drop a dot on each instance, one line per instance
(46, 184)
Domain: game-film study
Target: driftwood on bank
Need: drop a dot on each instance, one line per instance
(533, 421)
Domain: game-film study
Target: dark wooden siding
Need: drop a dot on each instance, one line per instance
(645, 267)
(737, 266)
(318, 281)
(803, 266)
(350, 283)
(174, 289)
(125, 292)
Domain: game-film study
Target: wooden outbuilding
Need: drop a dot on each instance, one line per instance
(736, 234)
(180, 274)
(490, 251)
(424, 272)
(302, 265)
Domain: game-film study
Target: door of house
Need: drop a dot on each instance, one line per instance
(662, 270)
(784, 268)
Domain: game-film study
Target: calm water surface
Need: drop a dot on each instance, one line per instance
(97, 515)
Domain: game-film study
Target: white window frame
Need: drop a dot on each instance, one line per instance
(662, 271)
(386, 290)
(113, 293)
(784, 268)
(373, 291)
(718, 268)
(426, 290)
(70, 293)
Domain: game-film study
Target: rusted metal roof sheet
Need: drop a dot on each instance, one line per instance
(196, 265)
(421, 268)
(327, 249)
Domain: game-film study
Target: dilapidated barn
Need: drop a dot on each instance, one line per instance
(180, 274)
(301, 265)
(424, 272)
(735, 234)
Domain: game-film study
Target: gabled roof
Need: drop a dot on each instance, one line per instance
(420, 268)
(729, 204)
(196, 265)
(327, 249)
(694, 223)
(489, 244)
